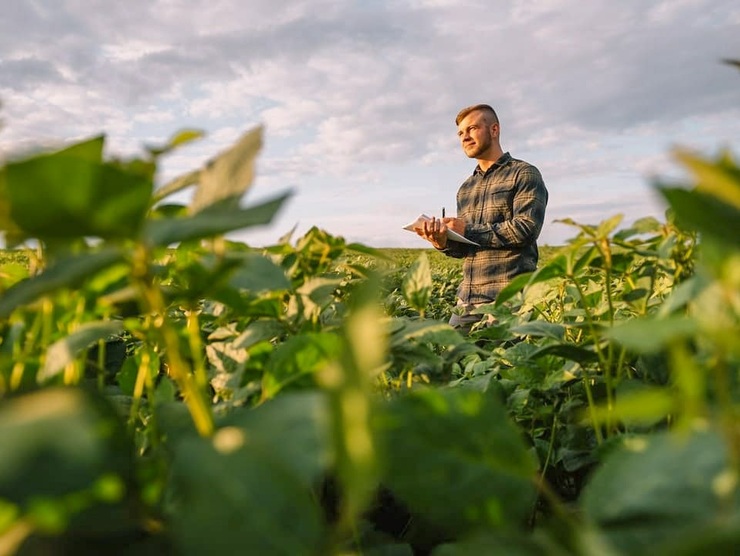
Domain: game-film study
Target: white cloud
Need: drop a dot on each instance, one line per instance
(358, 99)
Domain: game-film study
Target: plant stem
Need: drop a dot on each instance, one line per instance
(151, 297)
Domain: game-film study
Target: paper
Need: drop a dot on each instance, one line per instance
(454, 236)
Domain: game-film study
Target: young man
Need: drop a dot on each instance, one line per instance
(501, 207)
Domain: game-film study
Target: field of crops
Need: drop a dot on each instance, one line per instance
(166, 391)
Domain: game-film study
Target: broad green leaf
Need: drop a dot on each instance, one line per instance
(258, 273)
(607, 226)
(67, 272)
(644, 406)
(292, 428)
(720, 179)
(81, 195)
(298, 357)
(659, 487)
(640, 226)
(513, 288)
(12, 234)
(425, 331)
(705, 213)
(417, 283)
(652, 335)
(504, 543)
(177, 184)
(65, 351)
(572, 352)
(455, 460)
(209, 223)
(229, 497)
(228, 176)
(540, 329)
(555, 268)
(56, 442)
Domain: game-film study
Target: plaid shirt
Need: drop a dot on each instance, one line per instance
(503, 209)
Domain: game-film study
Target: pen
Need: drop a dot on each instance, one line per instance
(443, 212)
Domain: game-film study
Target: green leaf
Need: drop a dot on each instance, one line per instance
(56, 442)
(509, 544)
(719, 179)
(259, 273)
(643, 406)
(426, 330)
(247, 498)
(417, 283)
(292, 428)
(660, 486)
(540, 329)
(209, 223)
(607, 226)
(297, 357)
(513, 288)
(640, 226)
(568, 351)
(227, 177)
(180, 138)
(449, 464)
(80, 195)
(652, 335)
(65, 351)
(555, 268)
(705, 213)
(67, 272)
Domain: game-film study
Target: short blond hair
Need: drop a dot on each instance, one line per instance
(475, 108)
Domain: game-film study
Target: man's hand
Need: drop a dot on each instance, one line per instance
(455, 224)
(435, 232)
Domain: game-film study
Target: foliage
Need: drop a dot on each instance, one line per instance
(166, 390)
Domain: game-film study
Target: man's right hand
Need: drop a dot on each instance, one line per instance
(435, 232)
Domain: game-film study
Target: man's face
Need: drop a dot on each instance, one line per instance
(476, 134)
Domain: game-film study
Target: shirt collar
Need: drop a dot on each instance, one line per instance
(502, 160)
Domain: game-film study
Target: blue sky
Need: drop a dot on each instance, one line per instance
(358, 98)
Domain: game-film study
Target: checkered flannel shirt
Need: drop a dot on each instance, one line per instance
(503, 209)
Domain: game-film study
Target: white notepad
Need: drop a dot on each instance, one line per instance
(454, 236)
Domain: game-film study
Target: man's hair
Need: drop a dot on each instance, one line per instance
(476, 107)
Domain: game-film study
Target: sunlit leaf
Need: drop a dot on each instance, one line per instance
(248, 499)
(209, 223)
(67, 272)
(57, 442)
(652, 335)
(481, 474)
(82, 195)
(258, 273)
(65, 351)
(720, 179)
(659, 487)
(417, 283)
(180, 138)
(644, 406)
(298, 357)
(705, 213)
(540, 329)
(229, 175)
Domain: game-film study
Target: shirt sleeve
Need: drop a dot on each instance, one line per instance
(528, 215)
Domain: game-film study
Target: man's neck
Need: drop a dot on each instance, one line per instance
(489, 159)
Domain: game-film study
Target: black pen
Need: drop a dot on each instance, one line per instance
(443, 212)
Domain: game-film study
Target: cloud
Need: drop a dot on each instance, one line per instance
(358, 99)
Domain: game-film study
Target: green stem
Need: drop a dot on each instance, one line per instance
(151, 297)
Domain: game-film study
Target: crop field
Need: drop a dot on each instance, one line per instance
(164, 390)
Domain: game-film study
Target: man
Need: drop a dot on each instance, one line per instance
(501, 207)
